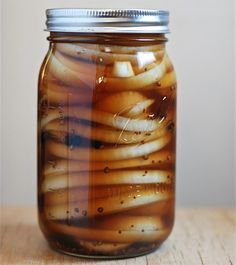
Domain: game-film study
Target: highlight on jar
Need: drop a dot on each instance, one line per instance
(107, 137)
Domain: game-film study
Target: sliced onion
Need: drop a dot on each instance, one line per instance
(100, 178)
(63, 166)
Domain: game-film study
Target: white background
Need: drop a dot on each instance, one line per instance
(202, 48)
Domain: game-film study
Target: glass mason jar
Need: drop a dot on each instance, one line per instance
(106, 133)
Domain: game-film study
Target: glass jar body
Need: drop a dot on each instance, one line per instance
(106, 144)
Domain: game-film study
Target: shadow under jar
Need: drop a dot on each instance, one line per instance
(106, 133)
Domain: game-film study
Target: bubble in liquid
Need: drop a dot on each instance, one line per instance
(119, 231)
(158, 83)
(121, 202)
(100, 209)
(45, 136)
(84, 213)
(171, 126)
(96, 144)
(142, 230)
(106, 170)
(77, 210)
(145, 157)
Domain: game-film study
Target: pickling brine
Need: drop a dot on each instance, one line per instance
(106, 142)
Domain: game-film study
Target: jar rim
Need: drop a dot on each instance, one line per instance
(107, 20)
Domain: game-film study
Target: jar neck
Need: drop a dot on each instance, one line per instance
(123, 39)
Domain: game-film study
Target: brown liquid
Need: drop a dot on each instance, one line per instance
(106, 145)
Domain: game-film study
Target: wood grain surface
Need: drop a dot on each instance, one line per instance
(200, 236)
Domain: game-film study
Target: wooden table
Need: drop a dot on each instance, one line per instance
(201, 237)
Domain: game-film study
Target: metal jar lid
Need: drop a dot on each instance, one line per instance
(107, 20)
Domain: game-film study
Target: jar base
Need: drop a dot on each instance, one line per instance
(103, 256)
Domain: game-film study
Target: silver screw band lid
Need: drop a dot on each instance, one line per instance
(107, 20)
